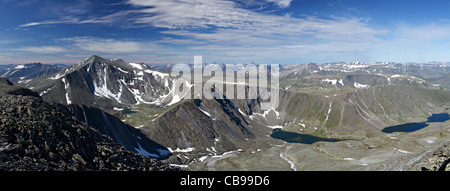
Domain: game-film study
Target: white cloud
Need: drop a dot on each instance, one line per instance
(109, 46)
(227, 18)
(281, 3)
(429, 32)
(223, 18)
(45, 23)
(42, 49)
(223, 25)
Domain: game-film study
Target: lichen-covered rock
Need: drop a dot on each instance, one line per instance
(438, 160)
(434, 160)
(35, 135)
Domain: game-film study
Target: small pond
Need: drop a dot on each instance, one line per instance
(410, 127)
(292, 137)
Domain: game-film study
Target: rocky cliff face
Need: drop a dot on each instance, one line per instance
(35, 135)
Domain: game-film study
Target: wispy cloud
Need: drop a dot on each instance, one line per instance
(109, 46)
(430, 32)
(42, 49)
(50, 22)
(222, 25)
(211, 19)
(221, 17)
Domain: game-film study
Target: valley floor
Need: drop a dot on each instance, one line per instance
(395, 151)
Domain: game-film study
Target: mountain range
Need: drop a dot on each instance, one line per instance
(134, 105)
(25, 72)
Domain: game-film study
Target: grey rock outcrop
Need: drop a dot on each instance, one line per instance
(436, 160)
(6, 87)
(35, 135)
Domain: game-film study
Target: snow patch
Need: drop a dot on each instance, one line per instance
(57, 76)
(20, 67)
(341, 82)
(329, 111)
(358, 85)
(117, 109)
(138, 66)
(101, 89)
(207, 113)
(140, 126)
(143, 152)
(179, 165)
(46, 91)
(267, 113)
(66, 86)
(333, 82)
(291, 163)
(402, 151)
(177, 98)
(178, 150)
(397, 76)
(120, 69)
(302, 124)
(156, 73)
(242, 113)
(356, 66)
(275, 127)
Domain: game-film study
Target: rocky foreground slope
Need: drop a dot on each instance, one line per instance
(434, 160)
(35, 135)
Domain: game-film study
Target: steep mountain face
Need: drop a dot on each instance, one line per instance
(21, 73)
(35, 135)
(105, 83)
(126, 135)
(199, 125)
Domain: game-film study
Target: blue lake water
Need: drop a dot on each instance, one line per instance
(292, 137)
(410, 127)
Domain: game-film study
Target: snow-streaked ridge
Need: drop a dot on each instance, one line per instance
(66, 87)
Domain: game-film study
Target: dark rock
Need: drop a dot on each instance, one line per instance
(6, 87)
(5, 81)
(45, 138)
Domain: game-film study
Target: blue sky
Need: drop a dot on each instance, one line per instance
(225, 31)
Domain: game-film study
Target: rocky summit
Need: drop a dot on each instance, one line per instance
(36, 135)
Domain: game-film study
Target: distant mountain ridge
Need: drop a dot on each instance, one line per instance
(23, 72)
